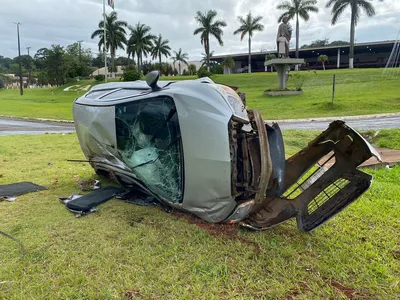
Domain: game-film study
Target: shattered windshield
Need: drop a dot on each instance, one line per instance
(148, 140)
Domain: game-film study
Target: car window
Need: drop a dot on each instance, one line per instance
(148, 140)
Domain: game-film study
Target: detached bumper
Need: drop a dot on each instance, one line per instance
(320, 181)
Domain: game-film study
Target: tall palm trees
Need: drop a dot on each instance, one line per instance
(115, 35)
(160, 48)
(209, 26)
(297, 8)
(248, 26)
(180, 57)
(355, 5)
(140, 42)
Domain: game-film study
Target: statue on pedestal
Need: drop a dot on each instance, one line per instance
(283, 38)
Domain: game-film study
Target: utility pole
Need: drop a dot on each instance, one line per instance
(80, 52)
(30, 68)
(21, 88)
(104, 41)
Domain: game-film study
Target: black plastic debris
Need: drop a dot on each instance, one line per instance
(85, 204)
(18, 189)
(135, 196)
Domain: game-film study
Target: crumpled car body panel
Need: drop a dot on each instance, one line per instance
(194, 146)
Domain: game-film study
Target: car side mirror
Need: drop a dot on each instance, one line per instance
(152, 79)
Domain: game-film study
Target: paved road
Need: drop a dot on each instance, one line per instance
(13, 126)
(360, 124)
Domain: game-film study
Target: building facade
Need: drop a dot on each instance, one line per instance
(366, 55)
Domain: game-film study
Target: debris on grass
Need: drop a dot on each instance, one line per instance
(396, 254)
(89, 185)
(130, 295)
(8, 199)
(18, 189)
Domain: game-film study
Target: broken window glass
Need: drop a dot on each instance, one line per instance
(148, 140)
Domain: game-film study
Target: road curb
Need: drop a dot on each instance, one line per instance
(327, 119)
(331, 119)
(37, 119)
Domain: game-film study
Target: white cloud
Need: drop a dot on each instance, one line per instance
(46, 22)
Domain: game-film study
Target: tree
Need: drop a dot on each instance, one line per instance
(78, 61)
(208, 26)
(98, 61)
(322, 59)
(316, 44)
(140, 42)
(338, 43)
(160, 48)
(192, 69)
(228, 62)
(248, 26)
(297, 8)
(180, 57)
(115, 35)
(339, 6)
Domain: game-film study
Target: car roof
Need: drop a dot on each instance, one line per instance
(114, 91)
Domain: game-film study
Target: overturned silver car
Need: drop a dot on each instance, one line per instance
(194, 146)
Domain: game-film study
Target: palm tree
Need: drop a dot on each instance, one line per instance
(140, 42)
(323, 59)
(356, 5)
(180, 57)
(115, 35)
(209, 27)
(249, 26)
(229, 63)
(130, 50)
(160, 48)
(297, 8)
(206, 58)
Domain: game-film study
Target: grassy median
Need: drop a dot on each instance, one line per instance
(358, 92)
(124, 250)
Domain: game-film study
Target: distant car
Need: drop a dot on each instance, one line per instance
(194, 146)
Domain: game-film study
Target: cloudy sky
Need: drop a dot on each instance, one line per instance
(46, 22)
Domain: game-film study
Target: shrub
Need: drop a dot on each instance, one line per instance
(298, 80)
(202, 72)
(99, 77)
(131, 75)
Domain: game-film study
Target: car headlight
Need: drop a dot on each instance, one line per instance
(238, 108)
(233, 100)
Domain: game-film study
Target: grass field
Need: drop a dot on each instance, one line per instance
(358, 92)
(125, 250)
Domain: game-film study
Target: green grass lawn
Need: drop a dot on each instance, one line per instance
(156, 255)
(358, 92)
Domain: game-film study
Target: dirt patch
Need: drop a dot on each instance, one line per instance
(345, 290)
(229, 231)
(217, 230)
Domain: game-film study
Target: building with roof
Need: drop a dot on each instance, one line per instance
(366, 55)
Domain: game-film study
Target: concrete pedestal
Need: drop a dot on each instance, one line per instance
(282, 66)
